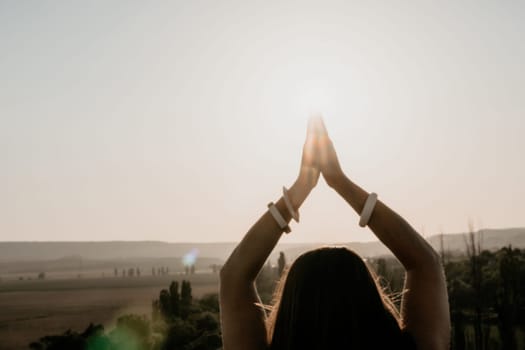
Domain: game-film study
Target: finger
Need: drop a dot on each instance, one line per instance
(322, 132)
(314, 124)
(326, 151)
(310, 148)
(321, 126)
(312, 134)
(312, 121)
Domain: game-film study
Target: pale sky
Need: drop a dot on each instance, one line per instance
(180, 120)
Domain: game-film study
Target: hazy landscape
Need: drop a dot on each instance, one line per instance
(48, 287)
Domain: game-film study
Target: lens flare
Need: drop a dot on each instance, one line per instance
(190, 258)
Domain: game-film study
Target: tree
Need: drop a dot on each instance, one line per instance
(265, 283)
(207, 322)
(382, 269)
(473, 245)
(92, 338)
(175, 298)
(131, 332)
(165, 304)
(180, 335)
(115, 272)
(510, 299)
(281, 263)
(153, 271)
(442, 252)
(185, 299)
(210, 302)
(155, 310)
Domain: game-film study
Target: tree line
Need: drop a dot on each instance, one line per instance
(486, 292)
(177, 321)
(155, 271)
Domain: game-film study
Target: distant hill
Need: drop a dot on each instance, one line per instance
(39, 251)
(491, 239)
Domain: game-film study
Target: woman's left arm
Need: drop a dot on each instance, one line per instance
(242, 317)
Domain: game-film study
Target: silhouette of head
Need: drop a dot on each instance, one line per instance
(329, 299)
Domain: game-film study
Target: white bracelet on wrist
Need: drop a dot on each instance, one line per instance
(368, 209)
(278, 218)
(289, 206)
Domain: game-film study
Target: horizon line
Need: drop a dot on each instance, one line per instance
(230, 242)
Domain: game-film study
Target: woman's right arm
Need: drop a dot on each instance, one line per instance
(424, 307)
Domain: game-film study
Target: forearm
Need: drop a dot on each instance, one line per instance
(394, 231)
(249, 256)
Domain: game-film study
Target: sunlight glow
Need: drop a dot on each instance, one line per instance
(313, 97)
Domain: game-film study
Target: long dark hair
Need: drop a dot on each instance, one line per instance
(330, 299)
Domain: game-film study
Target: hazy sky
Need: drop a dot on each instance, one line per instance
(181, 120)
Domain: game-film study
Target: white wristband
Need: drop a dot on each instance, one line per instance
(368, 209)
(278, 218)
(293, 213)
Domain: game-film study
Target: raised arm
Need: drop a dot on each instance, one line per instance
(242, 318)
(424, 307)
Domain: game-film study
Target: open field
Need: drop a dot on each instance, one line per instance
(32, 309)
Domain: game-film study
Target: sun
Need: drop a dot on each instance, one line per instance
(312, 97)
